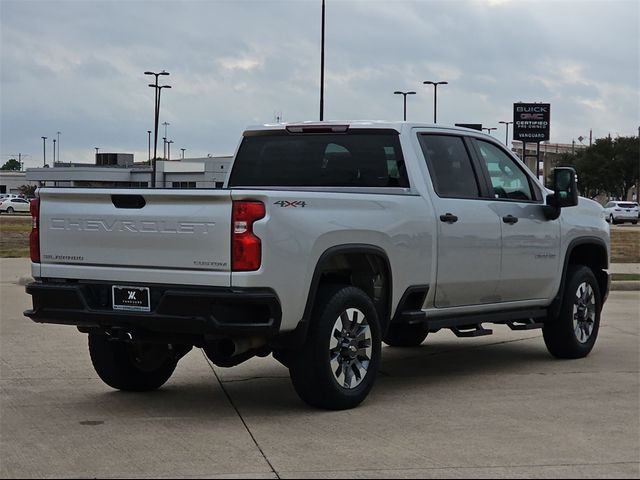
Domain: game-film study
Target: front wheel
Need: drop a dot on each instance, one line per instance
(573, 333)
(133, 367)
(612, 220)
(338, 365)
(10, 210)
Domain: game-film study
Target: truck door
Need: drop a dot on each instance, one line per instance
(469, 243)
(530, 242)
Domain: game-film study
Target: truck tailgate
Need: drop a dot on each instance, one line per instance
(175, 230)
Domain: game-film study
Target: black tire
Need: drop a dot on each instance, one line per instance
(131, 367)
(405, 335)
(561, 335)
(612, 220)
(311, 367)
(634, 222)
(10, 210)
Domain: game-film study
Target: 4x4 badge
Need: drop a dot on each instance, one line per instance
(291, 203)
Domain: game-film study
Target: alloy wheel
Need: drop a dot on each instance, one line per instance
(584, 312)
(350, 348)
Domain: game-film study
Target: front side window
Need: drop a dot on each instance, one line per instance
(450, 166)
(354, 159)
(507, 179)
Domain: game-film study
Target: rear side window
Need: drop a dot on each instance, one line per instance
(628, 205)
(450, 166)
(320, 160)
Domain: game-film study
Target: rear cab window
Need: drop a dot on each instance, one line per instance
(355, 158)
(450, 166)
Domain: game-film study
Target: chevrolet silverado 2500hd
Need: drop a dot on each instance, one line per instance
(327, 240)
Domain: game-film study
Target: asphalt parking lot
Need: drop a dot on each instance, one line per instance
(496, 406)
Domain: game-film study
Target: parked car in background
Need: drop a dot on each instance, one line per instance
(13, 205)
(6, 196)
(620, 212)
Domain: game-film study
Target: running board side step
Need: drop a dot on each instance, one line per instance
(522, 319)
(477, 331)
(531, 324)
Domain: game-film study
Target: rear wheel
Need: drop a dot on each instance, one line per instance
(405, 335)
(134, 367)
(573, 334)
(10, 210)
(612, 220)
(338, 365)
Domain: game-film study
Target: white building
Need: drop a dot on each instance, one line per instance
(207, 172)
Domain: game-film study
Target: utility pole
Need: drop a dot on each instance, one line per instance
(322, 68)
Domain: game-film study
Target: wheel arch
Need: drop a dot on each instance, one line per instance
(590, 252)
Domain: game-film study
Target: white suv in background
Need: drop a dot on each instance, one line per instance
(620, 212)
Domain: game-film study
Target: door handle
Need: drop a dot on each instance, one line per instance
(510, 219)
(448, 218)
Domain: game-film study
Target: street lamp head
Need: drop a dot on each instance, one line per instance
(428, 82)
(442, 83)
(411, 93)
(163, 73)
(397, 92)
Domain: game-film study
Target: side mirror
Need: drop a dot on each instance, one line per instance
(565, 186)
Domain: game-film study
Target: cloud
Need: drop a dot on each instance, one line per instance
(78, 67)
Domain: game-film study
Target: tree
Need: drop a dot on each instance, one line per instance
(609, 166)
(27, 190)
(11, 164)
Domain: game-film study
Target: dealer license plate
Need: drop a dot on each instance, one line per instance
(132, 299)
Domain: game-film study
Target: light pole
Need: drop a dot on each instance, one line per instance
(58, 134)
(183, 149)
(488, 129)
(157, 114)
(166, 124)
(435, 95)
(54, 152)
(44, 151)
(149, 135)
(164, 148)
(404, 99)
(169, 142)
(322, 67)
(506, 135)
(97, 150)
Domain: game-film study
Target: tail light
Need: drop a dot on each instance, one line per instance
(246, 248)
(34, 236)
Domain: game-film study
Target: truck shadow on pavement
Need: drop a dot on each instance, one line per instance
(269, 391)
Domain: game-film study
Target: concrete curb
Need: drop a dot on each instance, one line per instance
(625, 285)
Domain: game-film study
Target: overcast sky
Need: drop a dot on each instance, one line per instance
(77, 67)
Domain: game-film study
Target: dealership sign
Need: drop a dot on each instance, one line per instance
(531, 121)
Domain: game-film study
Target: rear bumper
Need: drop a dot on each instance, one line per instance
(211, 312)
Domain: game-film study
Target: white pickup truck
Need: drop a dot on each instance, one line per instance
(327, 240)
